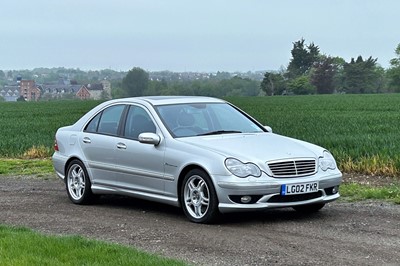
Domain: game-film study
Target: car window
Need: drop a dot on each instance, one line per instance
(228, 119)
(92, 126)
(185, 120)
(138, 121)
(107, 121)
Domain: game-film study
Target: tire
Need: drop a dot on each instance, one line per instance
(309, 208)
(198, 197)
(78, 184)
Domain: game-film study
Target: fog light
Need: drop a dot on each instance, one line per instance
(245, 199)
(335, 189)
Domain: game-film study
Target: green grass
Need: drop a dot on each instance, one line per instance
(357, 192)
(360, 130)
(20, 246)
(25, 166)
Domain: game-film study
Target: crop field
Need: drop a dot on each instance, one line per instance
(360, 130)
(27, 125)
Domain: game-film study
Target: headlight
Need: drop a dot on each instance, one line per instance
(327, 161)
(240, 169)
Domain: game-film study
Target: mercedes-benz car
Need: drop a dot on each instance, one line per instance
(199, 153)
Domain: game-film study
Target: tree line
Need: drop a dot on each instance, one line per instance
(311, 72)
(137, 83)
(308, 72)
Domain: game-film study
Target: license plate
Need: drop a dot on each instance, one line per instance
(303, 188)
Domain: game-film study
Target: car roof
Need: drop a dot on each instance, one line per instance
(165, 100)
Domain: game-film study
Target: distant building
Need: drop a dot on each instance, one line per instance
(95, 91)
(29, 90)
(10, 93)
(32, 92)
(24, 88)
(100, 90)
(65, 91)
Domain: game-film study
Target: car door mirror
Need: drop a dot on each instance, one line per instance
(268, 128)
(149, 138)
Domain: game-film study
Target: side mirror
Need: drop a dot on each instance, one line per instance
(149, 138)
(268, 128)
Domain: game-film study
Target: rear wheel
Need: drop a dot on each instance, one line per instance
(309, 208)
(198, 197)
(78, 183)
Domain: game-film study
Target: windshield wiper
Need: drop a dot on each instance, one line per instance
(218, 132)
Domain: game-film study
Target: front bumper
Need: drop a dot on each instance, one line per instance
(266, 192)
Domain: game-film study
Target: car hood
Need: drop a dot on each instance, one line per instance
(259, 147)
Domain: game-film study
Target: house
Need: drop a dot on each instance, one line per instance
(10, 93)
(100, 90)
(25, 88)
(64, 91)
(32, 92)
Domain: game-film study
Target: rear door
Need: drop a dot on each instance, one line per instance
(99, 141)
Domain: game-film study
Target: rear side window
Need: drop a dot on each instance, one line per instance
(107, 121)
(92, 126)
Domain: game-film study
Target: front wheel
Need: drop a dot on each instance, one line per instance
(309, 208)
(198, 197)
(78, 183)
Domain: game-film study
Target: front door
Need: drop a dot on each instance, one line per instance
(139, 166)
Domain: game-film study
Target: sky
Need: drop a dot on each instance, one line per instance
(188, 35)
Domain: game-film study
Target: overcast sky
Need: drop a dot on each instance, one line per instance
(185, 35)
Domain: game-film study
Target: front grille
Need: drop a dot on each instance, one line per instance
(292, 168)
(294, 198)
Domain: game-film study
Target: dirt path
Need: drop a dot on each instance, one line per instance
(365, 233)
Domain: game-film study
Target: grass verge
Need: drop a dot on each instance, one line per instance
(358, 192)
(21, 246)
(25, 166)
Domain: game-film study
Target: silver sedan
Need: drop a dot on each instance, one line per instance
(202, 154)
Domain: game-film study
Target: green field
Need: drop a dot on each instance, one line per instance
(360, 130)
(33, 124)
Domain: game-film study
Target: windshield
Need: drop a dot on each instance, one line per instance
(187, 120)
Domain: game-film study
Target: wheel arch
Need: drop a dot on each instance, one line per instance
(182, 175)
(70, 160)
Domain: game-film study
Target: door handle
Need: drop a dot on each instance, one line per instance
(86, 140)
(121, 146)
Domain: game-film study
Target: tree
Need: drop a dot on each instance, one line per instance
(322, 76)
(303, 58)
(157, 87)
(135, 82)
(273, 83)
(393, 72)
(244, 87)
(361, 76)
(301, 86)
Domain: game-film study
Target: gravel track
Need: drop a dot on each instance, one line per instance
(363, 233)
